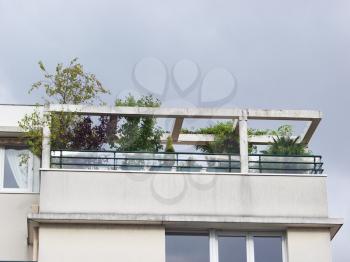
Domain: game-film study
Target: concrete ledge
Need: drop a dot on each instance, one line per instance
(177, 172)
(191, 222)
(190, 194)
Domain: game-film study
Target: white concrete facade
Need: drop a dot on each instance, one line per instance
(188, 194)
(91, 243)
(89, 215)
(15, 208)
(308, 245)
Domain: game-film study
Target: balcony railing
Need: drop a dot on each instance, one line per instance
(309, 164)
(183, 162)
(144, 161)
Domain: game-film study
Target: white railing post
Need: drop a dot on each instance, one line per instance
(46, 148)
(243, 141)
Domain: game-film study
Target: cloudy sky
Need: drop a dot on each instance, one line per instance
(260, 54)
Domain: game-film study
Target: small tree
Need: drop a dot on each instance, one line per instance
(169, 148)
(67, 85)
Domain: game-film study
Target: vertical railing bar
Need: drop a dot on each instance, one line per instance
(315, 170)
(260, 167)
(230, 159)
(177, 160)
(114, 165)
(60, 159)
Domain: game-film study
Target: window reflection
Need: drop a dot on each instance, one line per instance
(187, 248)
(268, 249)
(232, 249)
(16, 168)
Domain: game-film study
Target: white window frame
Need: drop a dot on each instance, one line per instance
(29, 189)
(214, 242)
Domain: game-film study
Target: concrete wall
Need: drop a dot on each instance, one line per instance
(14, 209)
(183, 194)
(85, 243)
(311, 245)
(11, 114)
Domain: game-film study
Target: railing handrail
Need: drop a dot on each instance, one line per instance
(180, 152)
(143, 152)
(264, 162)
(279, 155)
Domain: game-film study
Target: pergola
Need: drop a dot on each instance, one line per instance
(239, 117)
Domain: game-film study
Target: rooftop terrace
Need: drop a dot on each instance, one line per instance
(190, 161)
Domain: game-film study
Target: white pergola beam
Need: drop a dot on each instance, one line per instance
(309, 131)
(209, 113)
(268, 114)
(190, 139)
(243, 143)
(158, 112)
(203, 139)
(203, 113)
(177, 128)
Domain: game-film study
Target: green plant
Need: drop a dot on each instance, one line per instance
(138, 133)
(70, 85)
(288, 146)
(169, 148)
(67, 85)
(225, 139)
(284, 144)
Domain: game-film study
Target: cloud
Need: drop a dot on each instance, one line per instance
(284, 54)
(6, 95)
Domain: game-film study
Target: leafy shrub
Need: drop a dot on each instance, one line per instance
(138, 133)
(169, 148)
(67, 85)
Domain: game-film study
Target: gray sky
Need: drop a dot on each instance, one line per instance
(283, 54)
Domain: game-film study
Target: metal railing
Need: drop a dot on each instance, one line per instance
(183, 162)
(145, 161)
(302, 164)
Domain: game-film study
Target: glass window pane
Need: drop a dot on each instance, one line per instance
(187, 248)
(268, 249)
(232, 249)
(16, 168)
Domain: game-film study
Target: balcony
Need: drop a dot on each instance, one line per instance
(244, 140)
(185, 186)
(184, 162)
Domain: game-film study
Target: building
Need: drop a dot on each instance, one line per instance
(115, 206)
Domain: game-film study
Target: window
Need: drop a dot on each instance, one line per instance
(268, 249)
(232, 249)
(225, 247)
(17, 165)
(187, 248)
